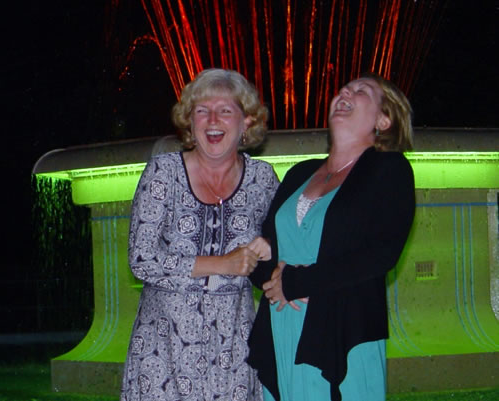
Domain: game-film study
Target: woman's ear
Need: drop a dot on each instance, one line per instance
(248, 122)
(383, 122)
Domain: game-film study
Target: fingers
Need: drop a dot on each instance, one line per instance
(294, 305)
(261, 247)
(273, 292)
(276, 274)
(249, 262)
(275, 280)
(242, 261)
(269, 285)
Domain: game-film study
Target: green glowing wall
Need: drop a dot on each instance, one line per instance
(439, 293)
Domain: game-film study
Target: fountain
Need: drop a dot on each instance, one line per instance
(443, 294)
(298, 54)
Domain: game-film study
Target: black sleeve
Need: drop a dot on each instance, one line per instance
(263, 271)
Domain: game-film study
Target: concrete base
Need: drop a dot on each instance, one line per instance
(405, 375)
(443, 373)
(99, 378)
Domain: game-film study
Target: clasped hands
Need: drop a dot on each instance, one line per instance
(273, 289)
(243, 260)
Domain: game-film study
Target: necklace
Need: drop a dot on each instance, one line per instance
(220, 200)
(329, 175)
(229, 177)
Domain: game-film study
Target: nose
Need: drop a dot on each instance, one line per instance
(212, 116)
(345, 91)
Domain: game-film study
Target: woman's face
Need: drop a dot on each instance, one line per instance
(357, 107)
(217, 123)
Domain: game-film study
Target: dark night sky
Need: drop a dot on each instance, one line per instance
(459, 83)
(54, 87)
(54, 83)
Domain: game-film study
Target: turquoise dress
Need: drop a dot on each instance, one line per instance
(366, 372)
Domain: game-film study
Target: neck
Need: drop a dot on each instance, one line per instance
(342, 152)
(217, 170)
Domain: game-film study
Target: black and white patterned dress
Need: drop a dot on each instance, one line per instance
(189, 340)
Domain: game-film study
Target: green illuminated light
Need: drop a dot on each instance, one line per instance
(455, 169)
(97, 171)
(102, 184)
(446, 232)
(431, 170)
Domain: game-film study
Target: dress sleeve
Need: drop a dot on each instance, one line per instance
(152, 258)
(364, 238)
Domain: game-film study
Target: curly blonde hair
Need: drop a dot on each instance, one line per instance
(216, 81)
(394, 104)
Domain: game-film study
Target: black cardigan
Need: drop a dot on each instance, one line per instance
(365, 229)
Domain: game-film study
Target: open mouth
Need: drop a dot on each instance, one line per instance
(343, 105)
(214, 136)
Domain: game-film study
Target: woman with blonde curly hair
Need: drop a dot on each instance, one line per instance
(194, 239)
(213, 81)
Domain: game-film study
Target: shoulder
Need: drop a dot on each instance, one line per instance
(380, 170)
(304, 168)
(256, 163)
(166, 161)
(163, 165)
(375, 160)
(258, 167)
(386, 157)
(297, 175)
(261, 172)
(170, 157)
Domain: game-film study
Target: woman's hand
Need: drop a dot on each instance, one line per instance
(239, 262)
(273, 290)
(261, 247)
(273, 287)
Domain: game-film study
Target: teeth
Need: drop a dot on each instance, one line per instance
(343, 105)
(214, 132)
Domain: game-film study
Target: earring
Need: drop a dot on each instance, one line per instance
(376, 132)
(243, 138)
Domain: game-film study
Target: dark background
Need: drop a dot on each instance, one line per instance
(60, 75)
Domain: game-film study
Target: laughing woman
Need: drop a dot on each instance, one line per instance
(337, 226)
(194, 239)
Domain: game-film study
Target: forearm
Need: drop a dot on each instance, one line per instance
(238, 262)
(262, 273)
(342, 271)
(209, 266)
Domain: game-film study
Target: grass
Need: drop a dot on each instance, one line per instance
(25, 376)
(31, 382)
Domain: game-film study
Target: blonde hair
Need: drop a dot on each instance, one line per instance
(394, 104)
(216, 81)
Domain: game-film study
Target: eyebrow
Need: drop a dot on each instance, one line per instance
(366, 84)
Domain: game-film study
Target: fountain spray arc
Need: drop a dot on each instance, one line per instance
(297, 53)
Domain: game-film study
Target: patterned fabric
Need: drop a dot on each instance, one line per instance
(189, 340)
